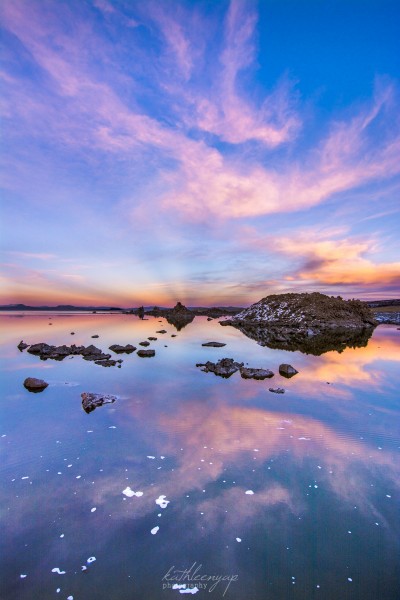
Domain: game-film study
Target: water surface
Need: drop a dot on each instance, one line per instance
(322, 461)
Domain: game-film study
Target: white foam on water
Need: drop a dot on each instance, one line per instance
(130, 493)
(57, 570)
(154, 530)
(162, 501)
(249, 492)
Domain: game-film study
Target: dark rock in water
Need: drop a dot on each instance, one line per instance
(248, 373)
(72, 332)
(106, 363)
(277, 390)
(153, 339)
(40, 348)
(161, 331)
(209, 318)
(90, 350)
(122, 349)
(35, 385)
(144, 343)
(312, 323)
(22, 346)
(223, 368)
(95, 336)
(173, 334)
(214, 344)
(146, 353)
(92, 401)
(287, 371)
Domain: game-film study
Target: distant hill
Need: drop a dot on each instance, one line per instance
(62, 307)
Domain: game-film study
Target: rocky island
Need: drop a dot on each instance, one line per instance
(312, 323)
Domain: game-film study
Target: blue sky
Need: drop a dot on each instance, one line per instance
(208, 152)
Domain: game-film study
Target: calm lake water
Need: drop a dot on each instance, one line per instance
(321, 461)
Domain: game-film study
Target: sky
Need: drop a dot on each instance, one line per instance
(212, 152)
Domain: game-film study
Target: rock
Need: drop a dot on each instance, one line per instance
(161, 331)
(277, 390)
(106, 363)
(209, 318)
(223, 368)
(287, 371)
(248, 373)
(40, 348)
(72, 332)
(214, 344)
(153, 339)
(312, 323)
(128, 349)
(22, 346)
(95, 336)
(144, 343)
(173, 334)
(146, 353)
(35, 385)
(91, 401)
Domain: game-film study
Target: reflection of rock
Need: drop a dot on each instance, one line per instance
(224, 367)
(248, 373)
(22, 346)
(179, 316)
(312, 323)
(35, 385)
(92, 401)
(120, 349)
(287, 371)
(214, 344)
(146, 353)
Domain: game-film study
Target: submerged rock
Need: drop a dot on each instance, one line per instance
(287, 371)
(146, 353)
(248, 373)
(91, 401)
(277, 390)
(161, 331)
(223, 368)
(214, 344)
(106, 362)
(35, 385)
(122, 349)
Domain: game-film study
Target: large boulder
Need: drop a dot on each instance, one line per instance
(35, 385)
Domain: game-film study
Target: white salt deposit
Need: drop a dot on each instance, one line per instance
(162, 501)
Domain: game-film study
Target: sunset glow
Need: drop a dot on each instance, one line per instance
(212, 153)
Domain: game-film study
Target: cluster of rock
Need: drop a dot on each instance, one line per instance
(226, 367)
(91, 353)
(180, 315)
(312, 323)
(91, 401)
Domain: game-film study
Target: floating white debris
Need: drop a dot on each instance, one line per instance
(93, 509)
(152, 457)
(22, 576)
(58, 590)
(57, 570)
(388, 496)
(154, 530)
(249, 492)
(238, 539)
(62, 535)
(130, 493)
(349, 579)
(70, 598)
(304, 438)
(26, 477)
(162, 501)
(84, 568)
(112, 427)
(89, 431)
(91, 559)
(69, 466)
(162, 457)
(78, 476)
